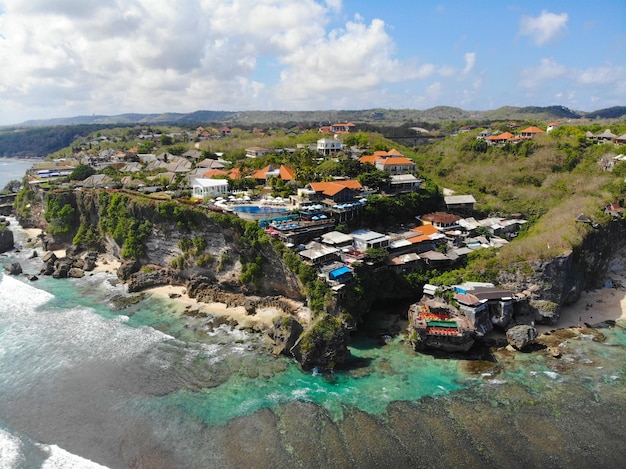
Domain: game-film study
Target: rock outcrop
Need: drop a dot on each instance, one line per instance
(13, 268)
(7, 241)
(323, 345)
(285, 333)
(521, 336)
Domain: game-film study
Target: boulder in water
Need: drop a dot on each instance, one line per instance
(14, 268)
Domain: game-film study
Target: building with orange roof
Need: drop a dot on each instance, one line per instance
(552, 126)
(499, 139)
(530, 132)
(369, 159)
(214, 172)
(234, 173)
(334, 191)
(283, 172)
(396, 165)
(343, 128)
(440, 220)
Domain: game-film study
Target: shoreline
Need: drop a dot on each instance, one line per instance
(593, 306)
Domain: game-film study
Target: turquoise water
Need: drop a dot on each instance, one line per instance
(85, 381)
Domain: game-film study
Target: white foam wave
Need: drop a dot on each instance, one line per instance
(10, 451)
(17, 296)
(61, 459)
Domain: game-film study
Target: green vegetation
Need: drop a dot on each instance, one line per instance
(324, 329)
(61, 217)
(117, 218)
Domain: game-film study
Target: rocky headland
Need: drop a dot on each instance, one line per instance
(213, 272)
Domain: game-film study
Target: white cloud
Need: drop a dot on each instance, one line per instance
(113, 56)
(543, 28)
(470, 61)
(548, 69)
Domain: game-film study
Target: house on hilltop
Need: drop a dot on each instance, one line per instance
(530, 132)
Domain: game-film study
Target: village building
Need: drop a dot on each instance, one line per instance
(530, 132)
(205, 187)
(283, 172)
(459, 202)
(367, 239)
(329, 146)
(395, 165)
(334, 192)
(343, 128)
(441, 220)
(257, 152)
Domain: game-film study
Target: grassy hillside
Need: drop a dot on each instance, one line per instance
(550, 180)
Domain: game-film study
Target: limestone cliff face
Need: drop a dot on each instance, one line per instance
(561, 280)
(219, 260)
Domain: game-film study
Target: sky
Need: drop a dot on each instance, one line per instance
(64, 58)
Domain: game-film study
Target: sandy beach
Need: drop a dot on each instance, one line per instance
(594, 306)
(261, 320)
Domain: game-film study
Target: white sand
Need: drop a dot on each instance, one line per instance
(261, 320)
(597, 305)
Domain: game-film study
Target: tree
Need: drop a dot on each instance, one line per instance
(377, 179)
(82, 172)
(12, 187)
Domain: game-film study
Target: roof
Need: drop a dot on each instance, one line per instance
(214, 172)
(205, 182)
(336, 237)
(334, 187)
(284, 172)
(459, 199)
(533, 129)
(441, 218)
(367, 235)
(396, 160)
(502, 136)
(369, 159)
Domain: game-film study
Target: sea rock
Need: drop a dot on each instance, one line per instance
(521, 336)
(49, 257)
(128, 268)
(6, 239)
(141, 280)
(32, 278)
(285, 333)
(323, 345)
(62, 267)
(76, 272)
(14, 268)
(34, 254)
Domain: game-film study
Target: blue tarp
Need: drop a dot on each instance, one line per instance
(334, 274)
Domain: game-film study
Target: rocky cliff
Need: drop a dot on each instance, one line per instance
(560, 280)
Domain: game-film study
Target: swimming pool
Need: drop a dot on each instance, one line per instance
(257, 212)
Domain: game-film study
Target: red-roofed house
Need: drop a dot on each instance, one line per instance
(396, 165)
(337, 191)
(343, 128)
(530, 132)
(283, 172)
(499, 139)
(440, 220)
(214, 172)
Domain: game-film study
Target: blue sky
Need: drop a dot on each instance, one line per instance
(75, 57)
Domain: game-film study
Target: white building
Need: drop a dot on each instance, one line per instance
(366, 239)
(203, 187)
(328, 146)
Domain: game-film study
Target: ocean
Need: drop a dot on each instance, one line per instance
(85, 384)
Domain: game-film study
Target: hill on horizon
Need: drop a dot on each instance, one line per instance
(379, 116)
